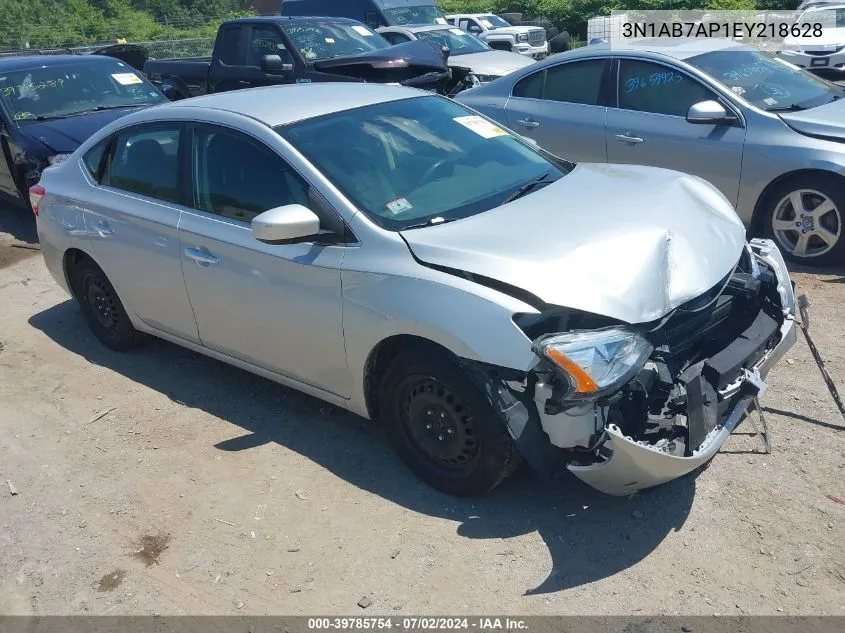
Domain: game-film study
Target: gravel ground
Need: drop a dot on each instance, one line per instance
(161, 481)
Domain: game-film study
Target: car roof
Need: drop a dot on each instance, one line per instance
(39, 61)
(675, 48)
(280, 105)
(292, 19)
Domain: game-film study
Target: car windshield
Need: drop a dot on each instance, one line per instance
(422, 160)
(48, 92)
(768, 82)
(325, 39)
(833, 17)
(458, 41)
(493, 21)
(424, 14)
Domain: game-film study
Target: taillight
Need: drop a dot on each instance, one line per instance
(36, 194)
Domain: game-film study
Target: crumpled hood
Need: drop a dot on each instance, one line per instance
(627, 242)
(389, 64)
(63, 136)
(827, 120)
(497, 63)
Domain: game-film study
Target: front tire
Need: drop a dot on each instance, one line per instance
(804, 215)
(103, 310)
(442, 426)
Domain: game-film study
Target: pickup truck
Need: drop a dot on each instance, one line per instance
(263, 51)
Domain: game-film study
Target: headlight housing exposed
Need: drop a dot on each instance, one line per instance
(57, 159)
(595, 362)
(483, 79)
(522, 37)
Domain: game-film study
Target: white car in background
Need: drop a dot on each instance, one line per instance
(464, 49)
(820, 53)
(501, 35)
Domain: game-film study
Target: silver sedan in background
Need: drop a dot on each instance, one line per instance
(768, 134)
(464, 49)
(391, 252)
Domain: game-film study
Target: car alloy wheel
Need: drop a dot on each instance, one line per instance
(806, 223)
(438, 424)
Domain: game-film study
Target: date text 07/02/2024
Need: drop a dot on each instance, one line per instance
(408, 623)
(759, 30)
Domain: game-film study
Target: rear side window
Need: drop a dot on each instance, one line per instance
(146, 161)
(575, 82)
(229, 49)
(94, 158)
(530, 87)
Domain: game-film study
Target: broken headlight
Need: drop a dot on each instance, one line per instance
(596, 362)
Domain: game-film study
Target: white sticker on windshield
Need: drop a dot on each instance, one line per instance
(440, 20)
(400, 205)
(126, 79)
(770, 101)
(458, 32)
(487, 23)
(480, 126)
(362, 30)
(329, 40)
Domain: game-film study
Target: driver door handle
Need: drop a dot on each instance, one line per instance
(204, 259)
(626, 138)
(528, 123)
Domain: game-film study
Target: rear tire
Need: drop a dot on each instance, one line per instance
(804, 216)
(442, 426)
(103, 309)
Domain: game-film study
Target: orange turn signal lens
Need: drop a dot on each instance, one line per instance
(583, 382)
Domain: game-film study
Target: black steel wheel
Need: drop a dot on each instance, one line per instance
(442, 426)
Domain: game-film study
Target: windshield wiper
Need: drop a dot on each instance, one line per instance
(430, 222)
(104, 107)
(793, 107)
(542, 179)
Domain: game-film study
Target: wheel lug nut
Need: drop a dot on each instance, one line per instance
(442, 415)
(440, 437)
(428, 426)
(449, 431)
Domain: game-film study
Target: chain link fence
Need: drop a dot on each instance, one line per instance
(181, 37)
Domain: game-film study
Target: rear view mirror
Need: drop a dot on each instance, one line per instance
(273, 65)
(709, 113)
(285, 224)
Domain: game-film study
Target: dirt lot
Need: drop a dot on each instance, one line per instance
(164, 482)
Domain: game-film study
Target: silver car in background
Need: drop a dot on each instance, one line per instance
(464, 50)
(769, 135)
(390, 252)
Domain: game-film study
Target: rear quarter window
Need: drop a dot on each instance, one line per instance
(94, 158)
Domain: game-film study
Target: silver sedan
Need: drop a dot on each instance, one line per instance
(768, 134)
(391, 252)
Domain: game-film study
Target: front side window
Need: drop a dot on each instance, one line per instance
(265, 41)
(322, 39)
(396, 38)
(576, 82)
(411, 161)
(458, 41)
(424, 14)
(658, 89)
(57, 92)
(146, 161)
(238, 178)
(768, 82)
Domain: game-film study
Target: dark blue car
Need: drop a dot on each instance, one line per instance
(50, 105)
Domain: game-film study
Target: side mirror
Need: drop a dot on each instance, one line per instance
(273, 65)
(709, 113)
(475, 30)
(285, 224)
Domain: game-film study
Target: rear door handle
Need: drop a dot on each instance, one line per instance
(202, 258)
(626, 138)
(528, 123)
(102, 228)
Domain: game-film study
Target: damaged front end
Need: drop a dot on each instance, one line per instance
(630, 407)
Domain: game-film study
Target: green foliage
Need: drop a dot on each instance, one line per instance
(52, 23)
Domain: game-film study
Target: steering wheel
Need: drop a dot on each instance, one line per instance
(428, 173)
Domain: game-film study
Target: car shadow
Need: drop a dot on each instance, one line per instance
(589, 536)
(18, 222)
